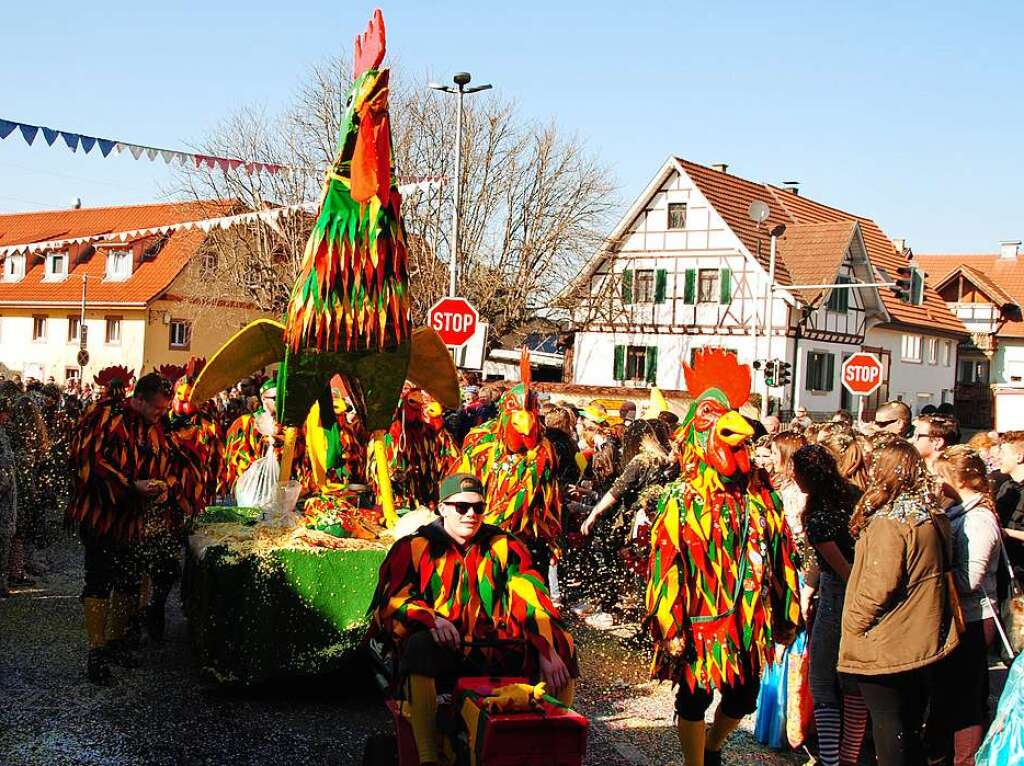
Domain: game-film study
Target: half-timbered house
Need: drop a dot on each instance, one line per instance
(687, 267)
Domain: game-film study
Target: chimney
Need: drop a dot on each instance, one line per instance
(793, 187)
(76, 203)
(721, 167)
(1009, 249)
(900, 244)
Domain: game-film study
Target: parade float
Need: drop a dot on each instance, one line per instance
(283, 588)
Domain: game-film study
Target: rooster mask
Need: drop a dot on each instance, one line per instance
(182, 403)
(713, 431)
(519, 413)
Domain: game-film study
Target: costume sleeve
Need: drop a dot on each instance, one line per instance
(102, 454)
(399, 607)
(626, 481)
(981, 533)
(882, 560)
(530, 606)
(785, 562)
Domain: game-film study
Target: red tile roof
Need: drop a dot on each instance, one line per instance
(731, 196)
(148, 280)
(813, 253)
(1002, 279)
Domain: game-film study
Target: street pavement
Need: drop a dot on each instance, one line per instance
(164, 712)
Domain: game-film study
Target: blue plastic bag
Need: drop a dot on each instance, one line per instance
(1004, 744)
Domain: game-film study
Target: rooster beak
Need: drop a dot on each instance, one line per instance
(522, 422)
(434, 410)
(733, 429)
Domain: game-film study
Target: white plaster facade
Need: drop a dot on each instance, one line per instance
(675, 325)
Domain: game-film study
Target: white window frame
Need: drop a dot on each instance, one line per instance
(112, 322)
(113, 274)
(49, 274)
(188, 334)
(74, 321)
(716, 290)
(41, 319)
(72, 373)
(910, 348)
(947, 353)
(668, 216)
(647, 295)
(931, 346)
(14, 267)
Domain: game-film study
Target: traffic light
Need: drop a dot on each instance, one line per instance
(783, 375)
(909, 286)
(769, 372)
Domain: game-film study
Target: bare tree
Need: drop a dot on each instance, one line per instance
(534, 201)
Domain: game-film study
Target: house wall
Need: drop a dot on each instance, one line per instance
(211, 327)
(916, 383)
(55, 355)
(1008, 365)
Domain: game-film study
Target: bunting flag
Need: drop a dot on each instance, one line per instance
(74, 141)
(270, 217)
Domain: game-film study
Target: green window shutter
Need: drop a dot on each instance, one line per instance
(830, 371)
(619, 373)
(725, 286)
(627, 286)
(809, 375)
(690, 289)
(651, 367)
(660, 284)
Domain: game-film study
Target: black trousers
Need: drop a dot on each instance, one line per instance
(423, 656)
(110, 565)
(896, 703)
(737, 701)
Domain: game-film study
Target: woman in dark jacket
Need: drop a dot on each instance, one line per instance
(898, 615)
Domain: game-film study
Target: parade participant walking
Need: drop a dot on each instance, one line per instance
(8, 496)
(933, 434)
(898, 617)
(459, 580)
(124, 465)
(723, 579)
(894, 418)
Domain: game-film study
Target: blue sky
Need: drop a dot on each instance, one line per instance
(910, 113)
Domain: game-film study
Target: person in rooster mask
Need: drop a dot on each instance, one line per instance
(722, 587)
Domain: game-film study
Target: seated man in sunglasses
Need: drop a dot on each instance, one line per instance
(460, 597)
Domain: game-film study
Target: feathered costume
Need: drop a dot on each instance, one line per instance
(517, 466)
(488, 591)
(114, 381)
(723, 571)
(419, 451)
(197, 433)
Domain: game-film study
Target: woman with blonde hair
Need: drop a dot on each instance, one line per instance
(851, 453)
(898, 616)
(957, 730)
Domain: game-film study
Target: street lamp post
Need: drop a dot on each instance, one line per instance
(461, 80)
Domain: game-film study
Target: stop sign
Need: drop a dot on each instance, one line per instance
(862, 373)
(454, 319)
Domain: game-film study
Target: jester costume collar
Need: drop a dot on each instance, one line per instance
(517, 466)
(488, 590)
(723, 569)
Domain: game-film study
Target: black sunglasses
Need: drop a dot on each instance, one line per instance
(885, 423)
(463, 508)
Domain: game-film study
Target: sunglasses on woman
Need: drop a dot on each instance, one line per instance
(463, 508)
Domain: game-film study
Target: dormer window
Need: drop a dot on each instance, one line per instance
(56, 267)
(119, 265)
(14, 268)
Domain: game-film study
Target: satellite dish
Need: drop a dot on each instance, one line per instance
(758, 212)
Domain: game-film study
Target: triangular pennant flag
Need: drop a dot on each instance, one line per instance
(206, 225)
(50, 135)
(87, 143)
(234, 164)
(151, 153)
(28, 132)
(168, 156)
(250, 167)
(106, 146)
(223, 164)
(136, 150)
(71, 139)
(6, 127)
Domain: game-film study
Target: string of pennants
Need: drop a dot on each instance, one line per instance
(76, 141)
(270, 217)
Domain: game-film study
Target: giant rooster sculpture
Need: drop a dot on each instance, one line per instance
(349, 310)
(516, 464)
(722, 577)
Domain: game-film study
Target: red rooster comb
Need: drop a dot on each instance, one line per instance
(117, 374)
(170, 372)
(194, 366)
(718, 368)
(524, 368)
(369, 46)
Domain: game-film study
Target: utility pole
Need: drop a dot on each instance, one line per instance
(82, 332)
(461, 80)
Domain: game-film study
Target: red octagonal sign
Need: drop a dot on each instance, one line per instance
(862, 373)
(454, 319)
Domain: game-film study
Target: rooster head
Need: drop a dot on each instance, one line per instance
(713, 431)
(182, 403)
(519, 412)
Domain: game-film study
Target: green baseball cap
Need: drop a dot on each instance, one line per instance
(459, 482)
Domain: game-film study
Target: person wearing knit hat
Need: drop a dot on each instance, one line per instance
(457, 581)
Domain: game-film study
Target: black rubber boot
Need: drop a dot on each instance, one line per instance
(97, 668)
(120, 653)
(712, 758)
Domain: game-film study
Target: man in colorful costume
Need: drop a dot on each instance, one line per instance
(127, 471)
(419, 451)
(723, 572)
(517, 466)
(460, 580)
